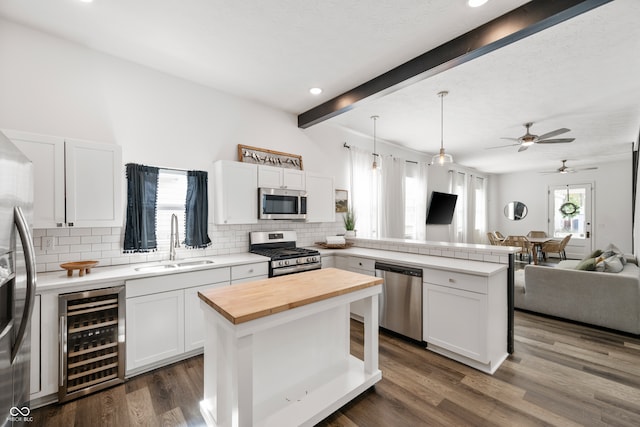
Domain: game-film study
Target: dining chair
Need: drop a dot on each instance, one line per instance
(493, 239)
(557, 246)
(499, 235)
(522, 242)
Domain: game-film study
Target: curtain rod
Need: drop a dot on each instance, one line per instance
(347, 146)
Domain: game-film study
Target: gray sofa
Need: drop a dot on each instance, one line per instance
(611, 300)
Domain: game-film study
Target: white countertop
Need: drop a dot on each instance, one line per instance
(417, 260)
(113, 275)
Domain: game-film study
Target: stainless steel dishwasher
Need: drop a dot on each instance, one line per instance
(401, 299)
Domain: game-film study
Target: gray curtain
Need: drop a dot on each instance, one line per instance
(197, 211)
(142, 189)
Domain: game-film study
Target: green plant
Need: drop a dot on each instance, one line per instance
(349, 219)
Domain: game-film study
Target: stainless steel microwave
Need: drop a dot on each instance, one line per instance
(278, 203)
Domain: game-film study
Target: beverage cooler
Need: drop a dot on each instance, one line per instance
(92, 343)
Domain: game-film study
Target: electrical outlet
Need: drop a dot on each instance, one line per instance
(48, 242)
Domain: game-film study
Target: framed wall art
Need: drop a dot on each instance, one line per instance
(263, 156)
(342, 201)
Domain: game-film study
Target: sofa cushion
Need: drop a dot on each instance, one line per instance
(613, 264)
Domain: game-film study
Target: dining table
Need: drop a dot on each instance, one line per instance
(537, 243)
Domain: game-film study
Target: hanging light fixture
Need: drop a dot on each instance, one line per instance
(442, 158)
(375, 165)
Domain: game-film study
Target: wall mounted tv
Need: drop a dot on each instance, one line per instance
(441, 208)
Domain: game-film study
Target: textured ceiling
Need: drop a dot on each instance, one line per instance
(578, 74)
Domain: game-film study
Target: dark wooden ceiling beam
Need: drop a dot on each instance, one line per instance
(528, 19)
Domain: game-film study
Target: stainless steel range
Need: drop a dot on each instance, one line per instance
(286, 257)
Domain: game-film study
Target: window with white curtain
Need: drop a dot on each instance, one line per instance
(389, 201)
(470, 219)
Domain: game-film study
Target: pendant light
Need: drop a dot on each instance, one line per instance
(375, 165)
(442, 158)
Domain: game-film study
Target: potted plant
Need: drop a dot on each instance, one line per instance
(349, 219)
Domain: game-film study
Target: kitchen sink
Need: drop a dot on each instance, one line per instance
(158, 268)
(194, 263)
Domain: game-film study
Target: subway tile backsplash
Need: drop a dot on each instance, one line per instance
(105, 244)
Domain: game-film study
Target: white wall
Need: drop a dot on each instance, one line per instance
(53, 87)
(612, 201)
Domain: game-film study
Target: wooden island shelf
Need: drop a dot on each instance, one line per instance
(277, 351)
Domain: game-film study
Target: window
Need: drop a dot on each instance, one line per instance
(172, 193)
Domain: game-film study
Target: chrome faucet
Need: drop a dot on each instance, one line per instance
(175, 239)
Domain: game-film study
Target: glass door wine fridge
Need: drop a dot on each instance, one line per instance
(91, 341)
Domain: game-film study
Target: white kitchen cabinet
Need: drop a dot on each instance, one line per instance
(193, 316)
(328, 261)
(465, 317)
(321, 198)
(235, 193)
(93, 184)
(155, 328)
(164, 319)
(274, 177)
(357, 265)
(35, 386)
(76, 183)
(249, 272)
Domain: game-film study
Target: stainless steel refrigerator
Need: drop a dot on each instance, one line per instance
(17, 283)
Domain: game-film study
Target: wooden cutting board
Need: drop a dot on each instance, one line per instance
(248, 301)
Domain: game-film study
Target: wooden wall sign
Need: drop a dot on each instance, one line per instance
(262, 156)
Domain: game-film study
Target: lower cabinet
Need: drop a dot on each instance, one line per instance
(194, 317)
(164, 319)
(249, 272)
(357, 265)
(155, 328)
(465, 317)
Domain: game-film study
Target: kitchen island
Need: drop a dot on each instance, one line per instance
(277, 350)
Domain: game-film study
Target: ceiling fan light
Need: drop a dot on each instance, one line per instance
(527, 143)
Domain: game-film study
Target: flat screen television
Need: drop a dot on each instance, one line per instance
(441, 208)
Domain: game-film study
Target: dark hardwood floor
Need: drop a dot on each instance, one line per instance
(560, 374)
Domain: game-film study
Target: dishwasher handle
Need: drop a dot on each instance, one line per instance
(399, 269)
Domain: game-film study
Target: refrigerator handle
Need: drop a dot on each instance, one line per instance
(30, 261)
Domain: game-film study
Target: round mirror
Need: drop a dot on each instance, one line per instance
(515, 210)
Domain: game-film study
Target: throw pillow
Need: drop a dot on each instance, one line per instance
(613, 264)
(594, 254)
(587, 264)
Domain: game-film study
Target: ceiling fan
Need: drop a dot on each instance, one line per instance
(566, 169)
(528, 139)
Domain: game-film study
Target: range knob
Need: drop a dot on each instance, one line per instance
(285, 262)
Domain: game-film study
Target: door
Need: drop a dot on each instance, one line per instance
(570, 212)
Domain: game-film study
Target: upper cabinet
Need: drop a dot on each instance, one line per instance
(274, 177)
(235, 193)
(321, 198)
(76, 183)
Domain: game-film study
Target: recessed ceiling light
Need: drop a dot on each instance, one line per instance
(86, 1)
(315, 91)
(476, 3)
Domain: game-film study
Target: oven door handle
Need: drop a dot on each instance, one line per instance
(296, 269)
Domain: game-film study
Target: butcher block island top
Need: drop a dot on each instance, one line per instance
(249, 301)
